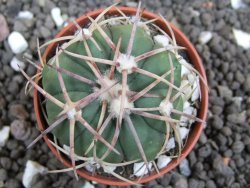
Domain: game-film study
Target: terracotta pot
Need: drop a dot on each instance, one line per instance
(196, 128)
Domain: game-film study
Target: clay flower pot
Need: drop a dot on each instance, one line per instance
(196, 129)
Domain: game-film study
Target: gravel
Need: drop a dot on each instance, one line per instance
(208, 25)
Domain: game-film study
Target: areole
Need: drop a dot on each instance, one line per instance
(196, 129)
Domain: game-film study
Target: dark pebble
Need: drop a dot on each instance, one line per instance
(225, 67)
(20, 26)
(49, 23)
(45, 32)
(202, 175)
(19, 176)
(246, 140)
(18, 111)
(193, 183)
(239, 77)
(14, 167)
(221, 139)
(246, 85)
(15, 154)
(198, 167)
(217, 122)
(152, 183)
(206, 19)
(12, 144)
(13, 87)
(238, 147)
(13, 7)
(230, 76)
(235, 85)
(6, 163)
(224, 91)
(239, 162)
(226, 131)
(165, 180)
(13, 183)
(237, 118)
(205, 151)
(217, 110)
(192, 158)
(41, 184)
(201, 184)
(3, 174)
(217, 101)
(221, 168)
(20, 129)
(203, 138)
(232, 108)
(235, 185)
(181, 183)
(210, 184)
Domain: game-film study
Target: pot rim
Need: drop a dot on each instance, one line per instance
(197, 128)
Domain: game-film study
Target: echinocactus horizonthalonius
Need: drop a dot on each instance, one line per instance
(116, 93)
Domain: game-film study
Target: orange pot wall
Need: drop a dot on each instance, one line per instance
(196, 129)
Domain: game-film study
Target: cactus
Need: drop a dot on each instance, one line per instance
(113, 93)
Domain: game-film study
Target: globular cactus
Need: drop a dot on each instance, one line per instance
(113, 92)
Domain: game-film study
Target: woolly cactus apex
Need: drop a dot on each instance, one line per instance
(114, 94)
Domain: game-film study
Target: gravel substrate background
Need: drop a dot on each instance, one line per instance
(222, 156)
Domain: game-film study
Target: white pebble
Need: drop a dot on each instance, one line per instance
(183, 132)
(92, 166)
(162, 39)
(140, 168)
(205, 37)
(17, 42)
(191, 78)
(242, 38)
(188, 89)
(184, 65)
(89, 167)
(57, 17)
(163, 161)
(88, 185)
(170, 144)
(109, 169)
(236, 4)
(184, 168)
(196, 90)
(186, 105)
(131, 4)
(25, 15)
(16, 63)
(4, 135)
(184, 70)
(187, 109)
(32, 168)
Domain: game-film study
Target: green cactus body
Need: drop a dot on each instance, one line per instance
(151, 132)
